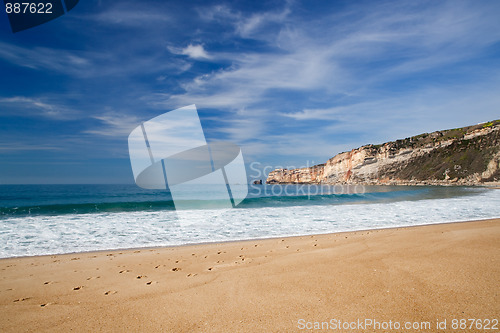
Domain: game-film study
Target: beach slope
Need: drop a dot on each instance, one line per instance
(404, 275)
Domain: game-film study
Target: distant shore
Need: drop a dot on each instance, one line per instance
(397, 183)
(406, 275)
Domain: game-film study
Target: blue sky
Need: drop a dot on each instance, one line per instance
(291, 82)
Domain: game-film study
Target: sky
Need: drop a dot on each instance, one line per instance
(291, 82)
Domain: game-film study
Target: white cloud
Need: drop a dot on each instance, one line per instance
(115, 124)
(192, 51)
(45, 58)
(345, 62)
(36, 107)
(89, 64)
(253, 25)
(247, 26)
(313, 114)
(253, 76)
(195, 52)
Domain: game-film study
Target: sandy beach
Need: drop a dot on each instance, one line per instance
(413, 275)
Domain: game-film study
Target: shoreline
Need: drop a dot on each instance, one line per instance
(419, 273)
(291, 237)
(438, 183)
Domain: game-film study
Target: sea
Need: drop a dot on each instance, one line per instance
(56, 219)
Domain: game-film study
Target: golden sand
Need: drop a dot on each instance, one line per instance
(403, 275)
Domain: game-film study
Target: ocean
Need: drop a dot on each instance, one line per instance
(55, 219)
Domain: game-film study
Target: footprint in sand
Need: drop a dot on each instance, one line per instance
(78, 288)
(22, 299)
(141, 276)
(124, 271)
(48, 282)
(45, 304)
(93, 278)
(110, 292)
(175, 269)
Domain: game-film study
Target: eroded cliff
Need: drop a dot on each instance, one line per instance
(462, 156)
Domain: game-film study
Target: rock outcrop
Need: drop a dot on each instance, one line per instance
(461, 156)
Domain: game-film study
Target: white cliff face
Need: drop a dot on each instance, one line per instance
(406, 161)
(358, 164)
(310, 175)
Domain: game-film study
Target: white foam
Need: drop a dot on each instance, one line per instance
(41, 235)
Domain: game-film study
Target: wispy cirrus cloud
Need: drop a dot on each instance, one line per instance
(247, 26)
(44, 58)
(313, 114)
(373, 61)
(84, 64)
(39, 107)
(115, 124)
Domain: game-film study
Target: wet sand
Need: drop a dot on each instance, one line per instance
(405, 275)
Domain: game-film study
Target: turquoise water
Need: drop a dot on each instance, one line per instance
(34, 200)
(51, 219)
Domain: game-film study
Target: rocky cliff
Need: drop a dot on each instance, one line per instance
(461, 156)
